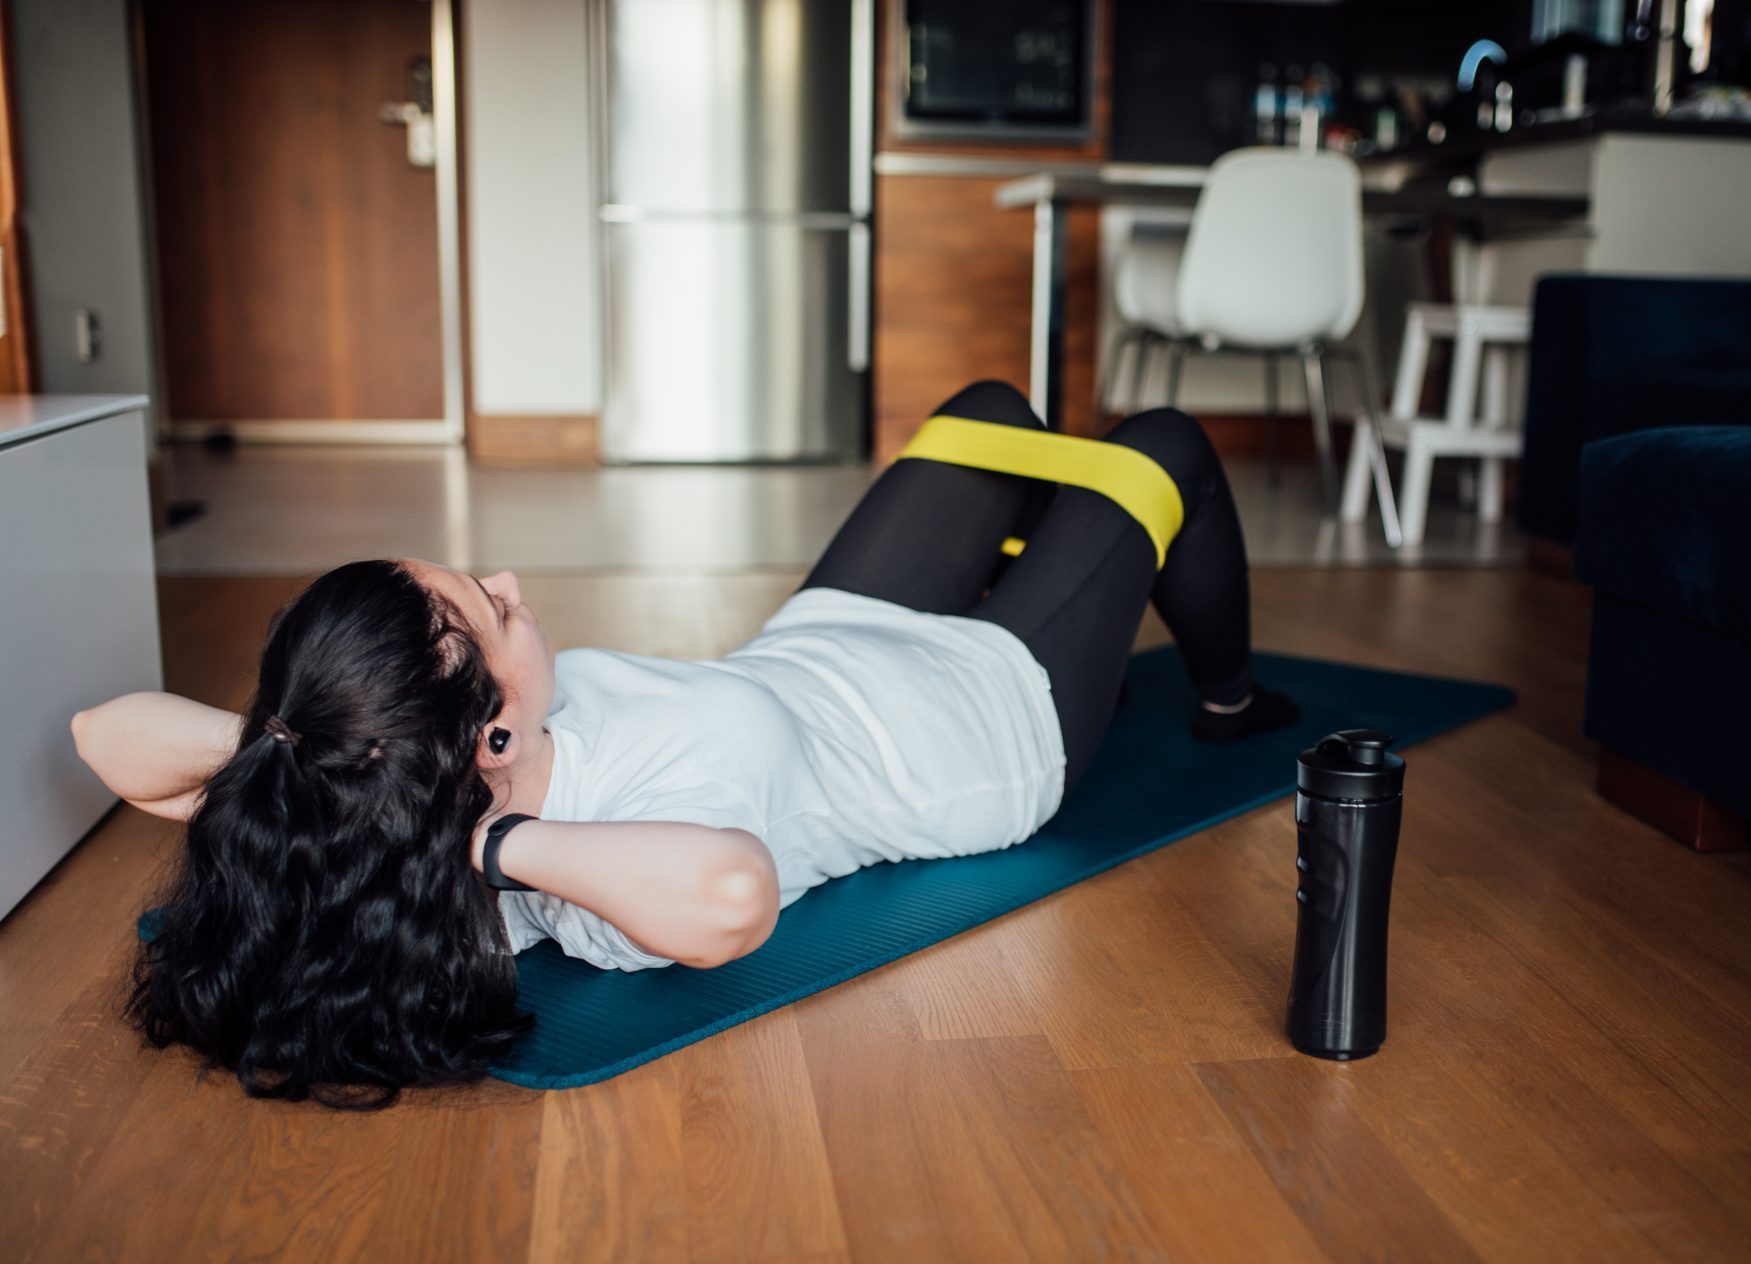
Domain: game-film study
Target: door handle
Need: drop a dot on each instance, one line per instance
(416, 114)
(422, 132)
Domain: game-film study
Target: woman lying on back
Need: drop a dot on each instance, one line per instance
(329, 932)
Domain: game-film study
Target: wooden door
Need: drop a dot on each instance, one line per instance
(297, 244)
(14, 348)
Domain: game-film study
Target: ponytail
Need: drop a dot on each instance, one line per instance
(326, 936)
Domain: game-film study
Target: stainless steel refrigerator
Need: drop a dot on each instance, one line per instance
(735, 220)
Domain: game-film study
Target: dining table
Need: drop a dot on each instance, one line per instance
(1456, 206)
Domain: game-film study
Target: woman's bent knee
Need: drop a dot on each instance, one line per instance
(992, 401)
(1170, 438)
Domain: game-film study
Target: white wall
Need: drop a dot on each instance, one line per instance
(83, 208)
(535, 320)
(1672, 205)
(1661, 206)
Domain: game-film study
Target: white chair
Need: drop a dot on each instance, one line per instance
(1273, 263)
(1144, 281)
(1483, 338)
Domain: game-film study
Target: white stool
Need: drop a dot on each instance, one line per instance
(1482, 340)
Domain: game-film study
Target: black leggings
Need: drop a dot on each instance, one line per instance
(927, 535)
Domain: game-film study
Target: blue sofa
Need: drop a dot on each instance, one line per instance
(1638, 455)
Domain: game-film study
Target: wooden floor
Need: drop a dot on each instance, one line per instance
(1100, 1076)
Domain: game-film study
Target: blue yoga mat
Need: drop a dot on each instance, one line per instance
(1150, 785)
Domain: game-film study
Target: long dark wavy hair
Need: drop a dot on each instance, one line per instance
(325, 934)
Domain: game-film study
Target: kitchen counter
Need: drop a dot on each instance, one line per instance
(1467, 148)
(24, 417)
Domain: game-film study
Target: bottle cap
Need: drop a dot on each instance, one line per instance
(1353, 764)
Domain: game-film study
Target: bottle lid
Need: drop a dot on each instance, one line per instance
(1352, 764)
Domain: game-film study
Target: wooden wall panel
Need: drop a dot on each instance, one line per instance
(531, 442)
(14, 343)
(954, 274)
(1081, 320)
(954, 300)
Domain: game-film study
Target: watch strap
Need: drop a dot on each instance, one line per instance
(489, 854)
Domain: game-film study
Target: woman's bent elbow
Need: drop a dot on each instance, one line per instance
(92, 734)
(87, 742)
(747, 892)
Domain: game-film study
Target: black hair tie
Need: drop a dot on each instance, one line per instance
(281, 732)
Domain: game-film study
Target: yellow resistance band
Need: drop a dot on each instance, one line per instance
(1123, 475)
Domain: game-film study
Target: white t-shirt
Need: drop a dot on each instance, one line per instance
(848, 731)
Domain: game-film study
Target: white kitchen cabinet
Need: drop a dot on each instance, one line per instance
(78, 611)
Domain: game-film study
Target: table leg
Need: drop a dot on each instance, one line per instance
(1046, 365)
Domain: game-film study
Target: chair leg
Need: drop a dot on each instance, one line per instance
(1319, 404)
(1489, 489)
(1140, 369)
(1495, 414)
(1176, 359)
(1353, 503)
(1413, 502)
(1369, 424)
(1413, 362)
(1126, 340)
(1462, 386)
(1273, 423)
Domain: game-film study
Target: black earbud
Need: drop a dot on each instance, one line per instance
(498, 739)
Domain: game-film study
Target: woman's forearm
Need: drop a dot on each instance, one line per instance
(699, 895)
(155, 748)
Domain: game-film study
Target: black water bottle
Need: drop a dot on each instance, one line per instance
(1349, 796)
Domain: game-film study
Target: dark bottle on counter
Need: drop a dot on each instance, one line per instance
(1348, 801)
(1484, 88)
(1640, 27)
(1265, 108)
(1638, 51)
(1292, 99)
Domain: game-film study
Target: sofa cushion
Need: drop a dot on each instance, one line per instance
(1665, 520)
(1615, 354)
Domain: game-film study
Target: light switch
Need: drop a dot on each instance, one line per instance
(87, 335)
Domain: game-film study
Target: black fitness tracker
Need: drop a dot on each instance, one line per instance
(489, 854)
